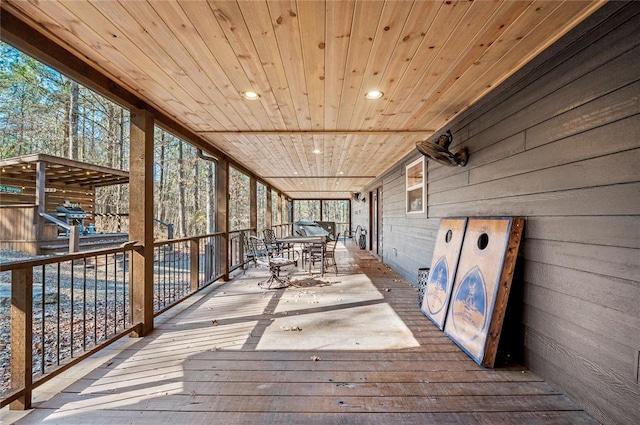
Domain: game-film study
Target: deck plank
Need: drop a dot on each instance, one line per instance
(150, 417)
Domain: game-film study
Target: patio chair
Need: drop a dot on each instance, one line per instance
(274, 263)
(313, 253)
(246, 246)
(330, 254)
(253, 248)
(273, 244)
(270, 240)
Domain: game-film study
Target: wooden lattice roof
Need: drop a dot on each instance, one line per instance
(61, 171)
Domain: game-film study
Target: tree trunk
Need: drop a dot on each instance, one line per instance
(182, 220)
(121, 163)
(211, 200)
(73, 120)
(161, 179)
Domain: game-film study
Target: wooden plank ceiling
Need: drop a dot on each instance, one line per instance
(312, 133)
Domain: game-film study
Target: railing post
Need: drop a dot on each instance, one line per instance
(22, 335)
(74, 239)
(194, 261)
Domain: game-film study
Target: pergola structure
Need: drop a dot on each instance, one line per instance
(33, 185)
(323, 99)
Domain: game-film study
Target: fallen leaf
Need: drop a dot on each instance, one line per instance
(214, 322)
(294, 328)
(315, 358)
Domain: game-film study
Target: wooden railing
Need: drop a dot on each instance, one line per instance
(283, 230)
(237, 256)
(184, 266)
(65, 308)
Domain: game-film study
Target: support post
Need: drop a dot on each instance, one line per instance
(21, 336)
(269, 207)
(40, 203)
(141, 219)
(222, 218)
(253, 204)
(278, 217)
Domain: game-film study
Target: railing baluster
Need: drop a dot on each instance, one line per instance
(95, 301)
(42, 333)
(72, 308)
(58, 315)
(106, 295)
(124, 288)
(164, 274)
(84, 306)
(115, 295)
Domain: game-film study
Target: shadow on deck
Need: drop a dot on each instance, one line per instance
(352, 348)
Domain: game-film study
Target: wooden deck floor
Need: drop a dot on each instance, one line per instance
(346, 349)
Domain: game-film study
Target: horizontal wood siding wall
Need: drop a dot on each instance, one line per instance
(59, 193)
(557, 143)
(408, 238)
(360, 212)
(18, 228)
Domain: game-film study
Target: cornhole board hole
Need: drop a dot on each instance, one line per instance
(443, 269)
(482, 284)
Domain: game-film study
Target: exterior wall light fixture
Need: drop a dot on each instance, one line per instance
(439, 151)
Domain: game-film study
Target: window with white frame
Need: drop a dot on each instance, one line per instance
(415, 186)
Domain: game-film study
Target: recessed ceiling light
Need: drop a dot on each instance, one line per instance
(295, 172)
(374, 94)
(317, 151)
(250, 95)
(341, 172)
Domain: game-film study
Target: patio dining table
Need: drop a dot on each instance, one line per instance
(308, 240)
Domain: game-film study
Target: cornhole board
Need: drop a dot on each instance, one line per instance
(482, 284)
(443, 269)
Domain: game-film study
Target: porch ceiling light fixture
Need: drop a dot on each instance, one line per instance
(439, 151)
(373, 94)
(250, 95)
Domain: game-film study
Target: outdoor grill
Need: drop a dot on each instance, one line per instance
(72, 214)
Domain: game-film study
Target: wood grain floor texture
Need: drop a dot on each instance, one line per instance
(351, 348)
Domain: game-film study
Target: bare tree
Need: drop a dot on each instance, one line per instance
(182, 220)
(73, 120)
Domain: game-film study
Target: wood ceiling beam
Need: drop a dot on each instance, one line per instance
(315, 133)
(319, 177)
